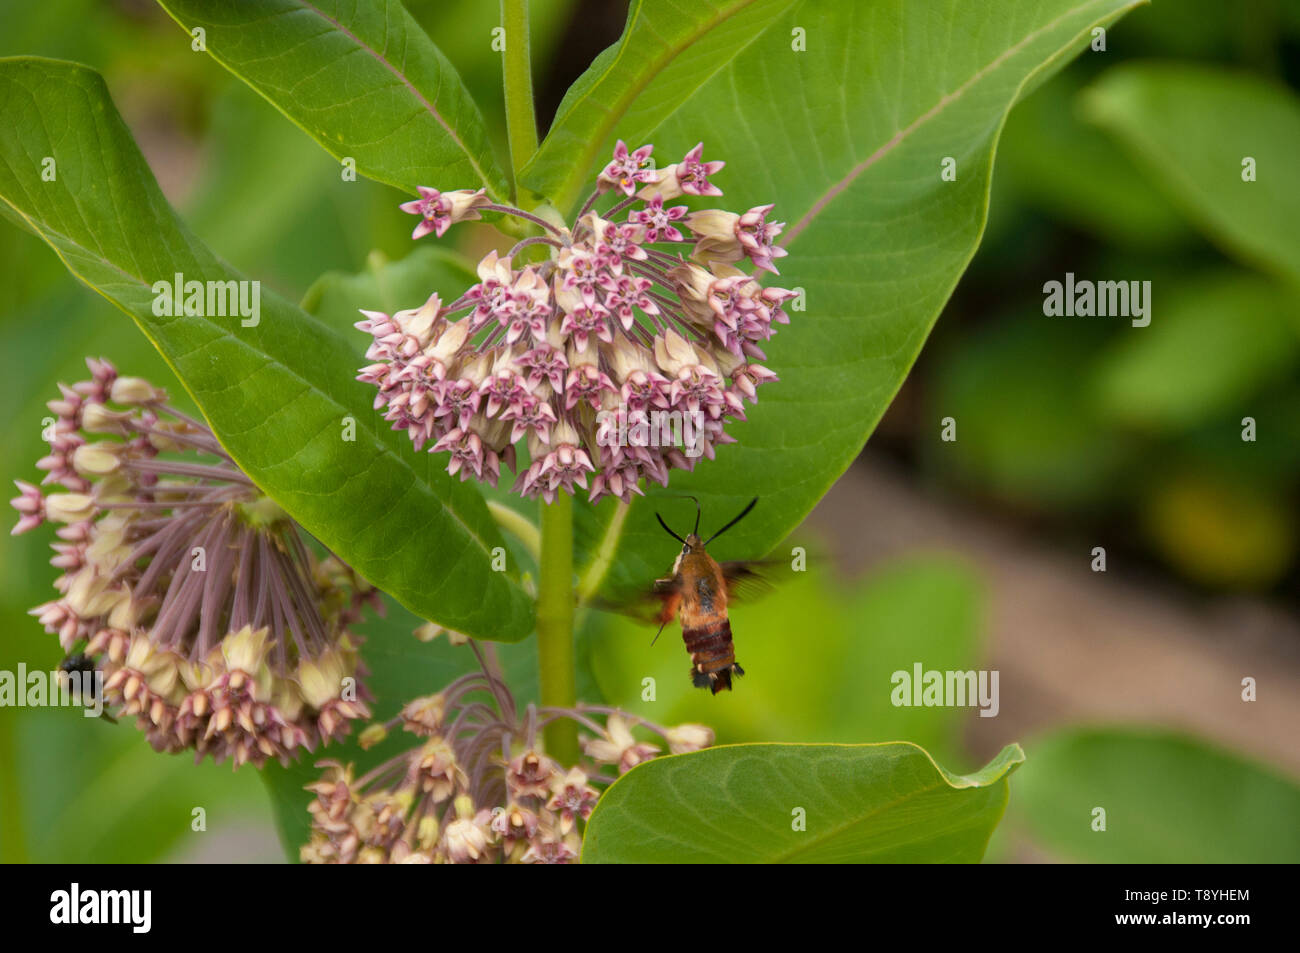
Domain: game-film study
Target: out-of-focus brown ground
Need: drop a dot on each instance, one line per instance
(1076, 645)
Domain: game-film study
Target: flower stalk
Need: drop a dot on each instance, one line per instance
(555, 611)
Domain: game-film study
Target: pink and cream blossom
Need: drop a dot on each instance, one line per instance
(626, 313)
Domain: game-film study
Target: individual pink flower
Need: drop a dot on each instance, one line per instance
(574, 798)
(627, 169)
(618, 746)
(658, 221)
(688, 177)
(438, 211)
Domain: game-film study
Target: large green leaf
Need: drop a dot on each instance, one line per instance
(888, 803)
(275, 394)
(847, 139)
(1190, 128)
(1168, 799)
(361, 78)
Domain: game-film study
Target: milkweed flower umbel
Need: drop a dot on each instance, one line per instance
(474, 785)
(213, 622)
(641, 309)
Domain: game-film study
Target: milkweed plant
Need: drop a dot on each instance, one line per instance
(215, 570)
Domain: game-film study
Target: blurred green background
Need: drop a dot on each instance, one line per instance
(1072, 433)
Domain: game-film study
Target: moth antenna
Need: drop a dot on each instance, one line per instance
(669, 530)
(695, 500)
(743, 514)
(659, 633)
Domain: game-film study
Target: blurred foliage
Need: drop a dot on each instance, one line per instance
(1231, 175)
(1129, 171)
(1223, 340)
(1167, 799)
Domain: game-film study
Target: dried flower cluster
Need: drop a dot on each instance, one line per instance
(476, 787)
(608, 328)
(214, 624)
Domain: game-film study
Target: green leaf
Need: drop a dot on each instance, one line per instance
(672, 45)
(1169, 799)
(877, 239)
(1076, 174)
(362, 79)
(386, 286)
(1001, 384)
(888, 803)
(275, 394)
(1190, 128)
(305, 222)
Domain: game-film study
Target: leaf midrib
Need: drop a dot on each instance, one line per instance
(944, 101)
(606, 126)
(937, 784)
(809, 844)
(383, 61)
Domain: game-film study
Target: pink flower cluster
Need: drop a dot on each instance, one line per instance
(474, 785)
(192, 596)
(627, 317)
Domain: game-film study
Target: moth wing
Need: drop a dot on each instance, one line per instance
(748, 580)
(652, 605)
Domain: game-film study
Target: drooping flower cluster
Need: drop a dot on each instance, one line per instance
(212, 621)
(476, 787)
(615, 360)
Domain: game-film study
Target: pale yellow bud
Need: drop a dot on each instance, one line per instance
(96, 418)
(135, 390)
(243, 651)
(449, 342)
(673, 352)
(419, 323)
(96, 459)
(689, 737)
(666, 186)
(371, 736)
(713, 223)
(69, 507)
(321, 678)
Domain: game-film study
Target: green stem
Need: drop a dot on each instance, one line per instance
(555, 609)
(521, 119)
